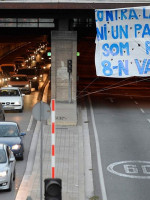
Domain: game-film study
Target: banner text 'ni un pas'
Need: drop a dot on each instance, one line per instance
(123, 42)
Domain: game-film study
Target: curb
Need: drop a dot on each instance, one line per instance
(89, 186)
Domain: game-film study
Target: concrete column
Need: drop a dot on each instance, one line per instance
(63, 48)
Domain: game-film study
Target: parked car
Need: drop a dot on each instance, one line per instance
(2, 113)
(32, 76)
(21, 81)
(7, 168)
(10, 134)
(11, 98)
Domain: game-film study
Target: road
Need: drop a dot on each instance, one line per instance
(123, 129)
(23, 120)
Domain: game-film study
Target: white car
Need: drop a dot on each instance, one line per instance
(7, 168)
(11, 98)
(21, 81)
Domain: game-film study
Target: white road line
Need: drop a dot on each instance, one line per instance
(148, 120)
(136, 102)
(142, 110)
(30, 123)
(100, 170)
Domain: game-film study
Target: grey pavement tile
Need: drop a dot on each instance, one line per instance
(68, 162)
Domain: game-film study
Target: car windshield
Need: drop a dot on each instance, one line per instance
(9, 131)
(3, 158)
(26, 71)
(18, 61)
(9, 92)
(8, 68)
(18, 78)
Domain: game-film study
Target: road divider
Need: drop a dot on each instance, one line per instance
(41, 90)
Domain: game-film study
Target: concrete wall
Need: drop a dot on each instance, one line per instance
(7, 47)
(63, 48)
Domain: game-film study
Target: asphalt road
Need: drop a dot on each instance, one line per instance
(122, 123)
(23, 120)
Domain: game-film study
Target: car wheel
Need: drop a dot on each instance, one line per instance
(10, 184)
(22, 157)
(14, 175)
(36, 87)
(21, 110)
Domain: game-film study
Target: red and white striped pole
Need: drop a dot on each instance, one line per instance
(53, 138)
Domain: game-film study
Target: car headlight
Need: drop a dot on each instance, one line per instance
(27, 85)
(9, 85)
(16, 147)
(17, 103)
(3, 174)
(35, 78)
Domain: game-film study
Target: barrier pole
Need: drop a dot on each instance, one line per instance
(53, 138)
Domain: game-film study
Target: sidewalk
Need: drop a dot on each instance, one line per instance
(71, 162)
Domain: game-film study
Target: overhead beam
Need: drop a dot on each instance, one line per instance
(29, 5)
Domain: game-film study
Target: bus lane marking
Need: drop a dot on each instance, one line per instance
(131, 169)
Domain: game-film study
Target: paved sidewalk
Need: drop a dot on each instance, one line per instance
(70, 162)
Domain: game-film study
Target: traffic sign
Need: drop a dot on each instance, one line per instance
(41, 111)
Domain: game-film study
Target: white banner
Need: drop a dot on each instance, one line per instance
(123, 42)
